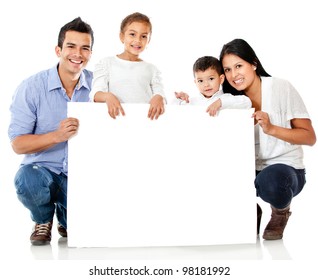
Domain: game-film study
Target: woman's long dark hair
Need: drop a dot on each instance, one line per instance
(242, 49)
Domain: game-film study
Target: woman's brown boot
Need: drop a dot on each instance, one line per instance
(275, 228)
(259, 217)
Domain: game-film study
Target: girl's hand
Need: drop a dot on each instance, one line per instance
(156, 107)
(114, 106)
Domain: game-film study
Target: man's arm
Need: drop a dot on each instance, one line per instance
(34, 143)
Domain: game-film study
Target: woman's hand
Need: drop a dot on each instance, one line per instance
(263, 120)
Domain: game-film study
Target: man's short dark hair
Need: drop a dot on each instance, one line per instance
(75, 25)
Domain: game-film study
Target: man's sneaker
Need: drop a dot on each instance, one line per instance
(62, 231)
(41, 234)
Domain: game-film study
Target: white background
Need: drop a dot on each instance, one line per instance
(283, 34)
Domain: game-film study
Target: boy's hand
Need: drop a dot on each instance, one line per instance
(182, 95)
(214, 107)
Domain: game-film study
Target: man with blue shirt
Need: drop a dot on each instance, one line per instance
(39, 129)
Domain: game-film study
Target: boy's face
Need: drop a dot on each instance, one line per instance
(208, 81)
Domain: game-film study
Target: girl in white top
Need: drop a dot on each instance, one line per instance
(209, 77)
(282, 125)
(126, 78)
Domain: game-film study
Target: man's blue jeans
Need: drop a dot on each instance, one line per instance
(43, 192)
(277, 184)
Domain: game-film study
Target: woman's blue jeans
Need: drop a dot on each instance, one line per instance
(277, 184)
(43, 192)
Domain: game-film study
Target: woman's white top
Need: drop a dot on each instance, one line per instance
(282, 103)
(129, 81)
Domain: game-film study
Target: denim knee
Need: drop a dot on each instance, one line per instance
(30, 175)
(32, 184)
(279, 183)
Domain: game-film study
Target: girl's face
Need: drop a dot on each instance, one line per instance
(135, 37)
(239, 73)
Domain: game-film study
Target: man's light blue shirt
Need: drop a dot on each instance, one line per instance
(38, 106)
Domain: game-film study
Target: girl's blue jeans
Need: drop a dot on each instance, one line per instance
(43, 192)
(277, 184)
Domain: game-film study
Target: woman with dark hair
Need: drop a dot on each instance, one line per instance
(282, 126)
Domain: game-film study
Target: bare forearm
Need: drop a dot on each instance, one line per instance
(100, 96)
(33, 143)
(300, 133)
(296, 136)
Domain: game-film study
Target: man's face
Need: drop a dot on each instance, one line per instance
(75, 53)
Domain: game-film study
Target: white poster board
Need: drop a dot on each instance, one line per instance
(184, 179)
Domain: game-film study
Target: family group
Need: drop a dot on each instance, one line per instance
(40, 129)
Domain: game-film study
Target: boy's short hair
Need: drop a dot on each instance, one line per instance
(205, 62)
(75, 25)
(135, 17)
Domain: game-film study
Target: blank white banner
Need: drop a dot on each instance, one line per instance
(184, 179)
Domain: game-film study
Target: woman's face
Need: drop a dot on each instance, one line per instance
(239, 73)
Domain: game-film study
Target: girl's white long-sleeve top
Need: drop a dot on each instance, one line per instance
(129, 81)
